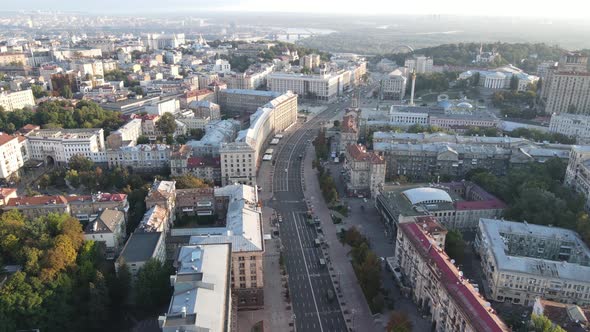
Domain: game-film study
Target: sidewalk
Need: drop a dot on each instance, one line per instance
(354, 306)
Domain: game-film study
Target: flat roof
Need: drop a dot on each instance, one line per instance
(141, 246)
(427, 195)
(492, 231)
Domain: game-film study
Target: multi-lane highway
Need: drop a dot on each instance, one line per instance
(315, 305)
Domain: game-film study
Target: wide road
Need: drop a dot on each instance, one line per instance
(309, 281)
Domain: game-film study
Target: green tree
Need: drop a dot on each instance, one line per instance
(189, 181)
(152, 285)
(119, 286)
(66, 92)
(399, 322)
(39, 92)
(142, 139)
(540, 323)
(167, 124)
(455, 245)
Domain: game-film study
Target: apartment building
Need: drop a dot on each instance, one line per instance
(13, 154)
(162, 193)
(202, 299)
(10, 59)
(568, 86)
(242, 101)
(57, 146)
(141, 157)
(572, 125)
(438, 287)
(157, 41)
(37, 206)
(16, 100)
(365, 171)
(239, 159)
(88, 207)
(322, 87)
(216, 133)
(310, 61)
(196, 201)
(522, 262)
(127, 135)
(577, 173)
(140, 248)
(349, 130)
(243, 229)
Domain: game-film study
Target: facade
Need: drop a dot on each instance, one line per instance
(572, 125)
(216, 133)
(163, 106)
(16, 100)
(13, 154)
(243, 229)
(242, 101)
(57, 146)
(196, 201)
(366, 171)
(500, 78)
(394, 86)
(109, 228)
(438, 287)
(457, 205)
(420, 64)
(322, 87)
(202, 299)
(126, 135)
(162, 193)
(141, 157)
(155, 41)
(568, 86)
(239, 159)
(522, 262)
(349, 131)
(89, 207)
(310, 61)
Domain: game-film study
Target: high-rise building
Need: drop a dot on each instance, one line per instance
(419, 63)
(568, 86)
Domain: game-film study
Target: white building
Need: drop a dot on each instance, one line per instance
(11, 101)
(394, 87)
(57, 146)
(163, 106)
(322, 87)
(419, 63)
(577, 173)
(156, 41)
(13, 154)
(202, 299)
(522, 262)
(221, 66)
(141, 157)
(567, 87)
(572, 125)
(500, 78)
(126, 135)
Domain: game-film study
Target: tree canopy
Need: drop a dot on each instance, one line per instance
(167, 124)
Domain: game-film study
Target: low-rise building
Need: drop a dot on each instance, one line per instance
(13, 154)
(127, 135)
(570, 317)
(140, 248)
(438, 287)
(196, 201)
(162, 193)
(88, 207)
(202, 299)
(6, 194)
(349, 131)
(110, 229)
(57, 146)
(522, 262)
(156, 219)
(365, 171)
(38, 206)
(141, 157)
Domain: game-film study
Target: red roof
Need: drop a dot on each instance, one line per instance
(5, 138)
(6, 192)
(462, 292)
(37, 200)
(196, 93)
(359, 153)
(431, 224)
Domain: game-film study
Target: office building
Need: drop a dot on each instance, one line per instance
(242, 101)
(310, 61)
(436, 284)
(365, 171)
(568, 86)
(522, 262)
(57, 146)
(16, 100)
(394, 86)
(322, 87)
(202, 299)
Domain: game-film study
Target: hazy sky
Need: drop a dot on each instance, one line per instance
(541, 8)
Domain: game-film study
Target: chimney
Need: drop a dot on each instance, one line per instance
(413, 87)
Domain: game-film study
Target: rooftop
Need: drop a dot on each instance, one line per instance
(154, 220)
(141, 246)
(38, 200)
(360, 153)
(474, 307)
(106, 222)
(252, 92)
(494, 235)
(427, 195)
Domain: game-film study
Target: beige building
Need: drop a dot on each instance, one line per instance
(349, 130)
(321, 87)
(243, 229)
(394, 86)
(13, 154)
(568, 86)
(366, 171)
(577, 173)
(141, 157)
(88, 207)
(522, 262)
(10, 59)
(419, 63)
(310, 61)
(437, 286)
(57, 146)
(126, 135)
(16, 100)
(239, 159)
(162, 193)
(110, 229)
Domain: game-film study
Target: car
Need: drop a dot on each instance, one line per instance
(286, 170)
(330, 295)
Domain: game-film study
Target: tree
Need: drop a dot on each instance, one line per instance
(167, 124)
(455, 245)
(513, 83)
(152, 285)
(540, 323)
(336, 123)
(399, 322)
(39, 92)
(119, 285)
(66, 92)
(142, 139)
(197, 134)
(189, 181)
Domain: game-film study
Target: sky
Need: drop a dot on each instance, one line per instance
(525, 8)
